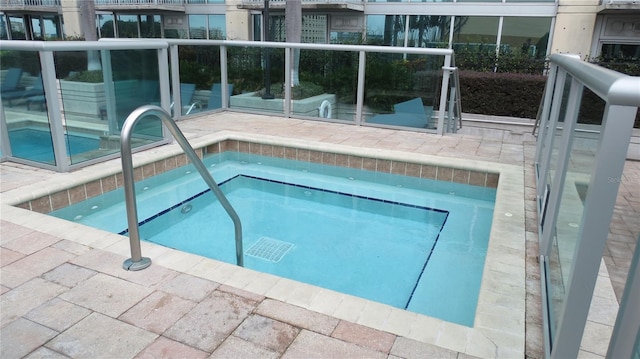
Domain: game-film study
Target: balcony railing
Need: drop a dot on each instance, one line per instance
(586, 123)
(12, 4)
(65, 116)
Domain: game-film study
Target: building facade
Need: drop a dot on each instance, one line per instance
(589, 28)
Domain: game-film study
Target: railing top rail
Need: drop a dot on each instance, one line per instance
(612, 86)
(307, 46)
(121, 44)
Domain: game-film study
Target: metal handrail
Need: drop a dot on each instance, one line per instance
(137, 262)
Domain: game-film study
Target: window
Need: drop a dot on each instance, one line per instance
(197, 26)
(217, 27)
(128, 26)
(387, 30)
(429, 31)
(106, 26)
(17, 28)
(150, 26)
(527, 35)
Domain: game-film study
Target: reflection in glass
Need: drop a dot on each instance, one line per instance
(197, 26)
(526, 35)
(217, 27)
(150, 26)
(568, 224)
(386, 30)
(127, 26)
(106, 26)
(200, 70)
(328, 85)
(474, 41)
(17, 28)
(402, 90)
(429, 31)
(246, 68)
(25, 108)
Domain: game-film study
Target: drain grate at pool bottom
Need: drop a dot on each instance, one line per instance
(269, 249)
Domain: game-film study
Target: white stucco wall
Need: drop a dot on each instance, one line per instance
(575, 23)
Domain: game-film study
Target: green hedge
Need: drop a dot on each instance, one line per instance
(501, 94)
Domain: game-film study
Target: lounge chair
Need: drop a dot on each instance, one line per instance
(35, 91)
(186, 95)
(11, 81)
(409, 113)
(215, 98)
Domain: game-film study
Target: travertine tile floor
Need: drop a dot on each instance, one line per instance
(60, 298)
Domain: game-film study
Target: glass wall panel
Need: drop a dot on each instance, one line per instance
(150, 26)
(127, 26)
(526, 35)
(200, 71)
(136, 83)
(217, 27)
(197, 26)
(386, 30)
(247, 69)
(24, 107)
(474, 41)
(106, 25)
(568, 224)
(429, 31)
(83, 106)
(17, 28)
(4, 34)
(401, 90)
(328, 85)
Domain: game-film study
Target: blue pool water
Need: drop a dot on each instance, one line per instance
(36, 145)
(412, 243)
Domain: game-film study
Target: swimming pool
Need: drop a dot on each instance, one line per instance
(388, 239)
(36, 144)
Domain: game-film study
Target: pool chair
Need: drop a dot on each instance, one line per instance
(411, 113)
(215, 98)
(11, 81)
(36, 90)
(186, 95)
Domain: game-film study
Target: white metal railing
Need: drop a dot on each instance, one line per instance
(140, 2)
(21, 3)
(578, 175)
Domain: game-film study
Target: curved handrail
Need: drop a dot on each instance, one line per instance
(137, 262)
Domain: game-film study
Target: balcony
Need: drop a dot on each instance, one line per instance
(306, 4)
(165, 5)
(614, 6)
(30, 5)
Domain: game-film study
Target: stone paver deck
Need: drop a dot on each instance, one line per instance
(68, 298)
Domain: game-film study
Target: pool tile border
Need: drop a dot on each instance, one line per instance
(69, 196)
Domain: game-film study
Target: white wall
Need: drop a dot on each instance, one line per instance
(574, 27)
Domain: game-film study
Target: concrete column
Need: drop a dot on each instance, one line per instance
(575, 23)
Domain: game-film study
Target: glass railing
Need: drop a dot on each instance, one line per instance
(76, 95)
(364, 85)
(58, 114)
(587, 120)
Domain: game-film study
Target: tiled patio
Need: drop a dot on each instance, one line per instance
(64, 297)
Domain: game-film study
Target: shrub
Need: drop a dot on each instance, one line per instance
(501, 94)
(94, 76)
